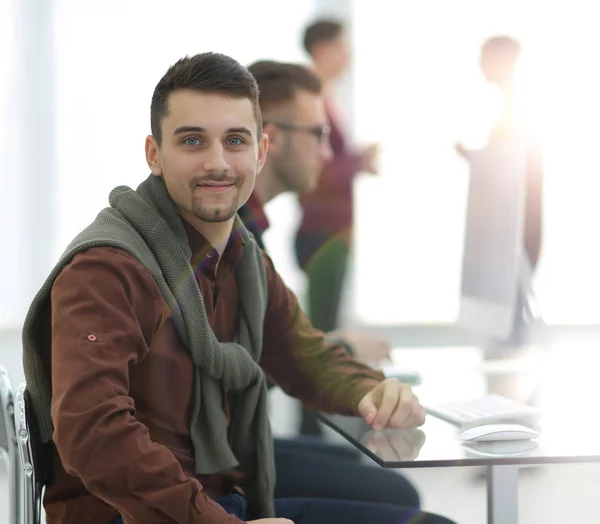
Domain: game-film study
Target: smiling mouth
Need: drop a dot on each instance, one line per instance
(215, 188)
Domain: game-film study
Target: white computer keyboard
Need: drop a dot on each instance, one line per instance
(487, 409)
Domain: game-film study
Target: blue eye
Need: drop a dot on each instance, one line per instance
(235, 141)
(191, 141)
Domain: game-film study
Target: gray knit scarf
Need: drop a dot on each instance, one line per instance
(146, 224)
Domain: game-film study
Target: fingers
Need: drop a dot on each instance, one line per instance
(390, 398)
(392, 404)
(416, 419)
(367, 408)
(416, 416)
(408, 413)
(404, 409)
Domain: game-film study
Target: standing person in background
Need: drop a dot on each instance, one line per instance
(323, 239)
(499, 58)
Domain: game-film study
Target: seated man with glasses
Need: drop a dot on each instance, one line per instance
(320, 132)
(296, 123)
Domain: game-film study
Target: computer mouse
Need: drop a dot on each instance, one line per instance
(497, 432)
(500, 448)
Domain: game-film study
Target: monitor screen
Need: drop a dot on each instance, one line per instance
(493, 242)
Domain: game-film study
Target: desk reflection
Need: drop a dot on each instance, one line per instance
(395, 444)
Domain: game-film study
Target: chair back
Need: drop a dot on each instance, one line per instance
(8, 444)
(33, 458)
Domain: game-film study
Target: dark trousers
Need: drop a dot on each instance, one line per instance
(324, 260)
(307, 467)
(323, 511)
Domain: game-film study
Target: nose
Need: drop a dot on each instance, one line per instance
(215, 161)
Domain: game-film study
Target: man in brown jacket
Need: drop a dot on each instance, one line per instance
(144, 316)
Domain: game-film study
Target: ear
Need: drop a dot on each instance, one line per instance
(263, 147)
(274, 135)
(153, 155)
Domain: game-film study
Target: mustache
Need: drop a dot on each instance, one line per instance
(213, 179)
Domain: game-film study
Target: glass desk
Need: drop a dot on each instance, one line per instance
(568, 428)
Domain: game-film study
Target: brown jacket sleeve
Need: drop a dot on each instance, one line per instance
(297, 358)
(105, 311)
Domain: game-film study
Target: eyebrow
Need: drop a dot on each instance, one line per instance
(241, 130)
(188, 129)
(195, 129)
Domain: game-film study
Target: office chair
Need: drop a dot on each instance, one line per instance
(33, 458)
(8, 444)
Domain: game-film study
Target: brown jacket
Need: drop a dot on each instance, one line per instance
(122, 383)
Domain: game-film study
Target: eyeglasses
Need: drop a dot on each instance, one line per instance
(321, 133)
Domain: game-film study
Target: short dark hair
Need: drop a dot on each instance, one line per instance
(278, 82)
(321, 31)
(207, 72)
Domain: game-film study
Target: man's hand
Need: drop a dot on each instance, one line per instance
(367, 348)
(462, 150)
(391, 404)
(370, 159)
(271, 521)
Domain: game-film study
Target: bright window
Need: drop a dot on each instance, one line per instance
(418, 90)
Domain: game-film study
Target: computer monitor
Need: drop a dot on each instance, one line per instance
(492, 270)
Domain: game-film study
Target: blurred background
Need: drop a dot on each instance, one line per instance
(76, 79)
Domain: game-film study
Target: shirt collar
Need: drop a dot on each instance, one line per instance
(205, 257)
